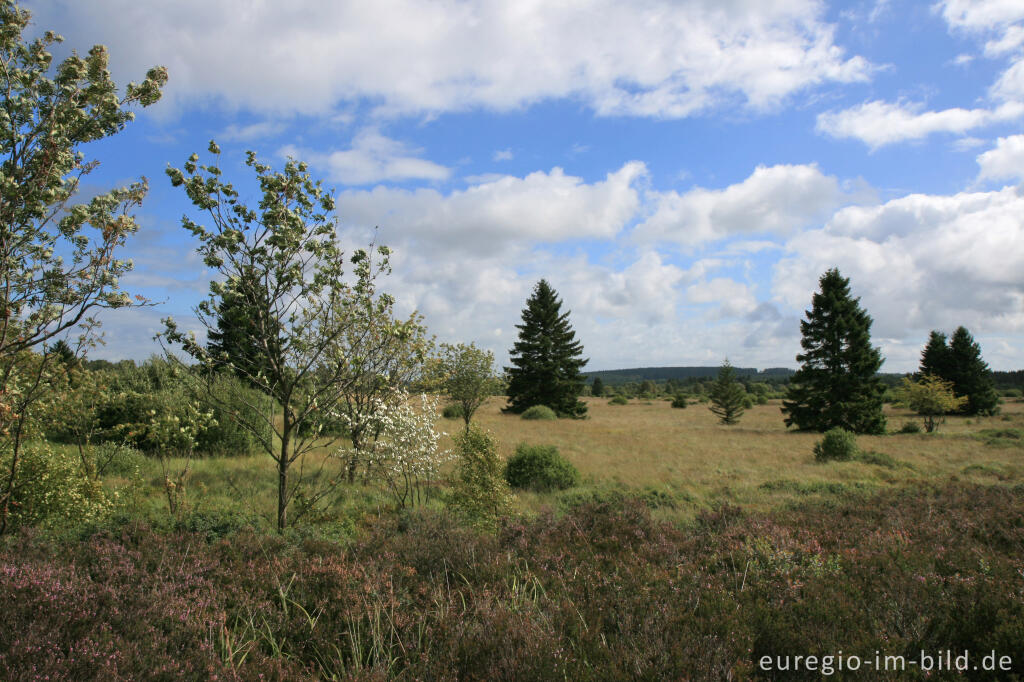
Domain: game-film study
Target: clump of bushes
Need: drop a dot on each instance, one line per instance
(910, 427)
(838, 444)
(540, 468)
(479, 491)
(540, 412)
(619, 400)
(453, 411)
(679, 401)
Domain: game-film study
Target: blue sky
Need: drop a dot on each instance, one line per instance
(681, 172)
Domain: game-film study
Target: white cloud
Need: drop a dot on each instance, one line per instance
(977, 15)
(920, 262)
(486, 218)
(1004, 161)
(732, 298)
(503, 155)
(251, 132)
(775, 200)
(372, 158)
(880, 123)
(658, 58)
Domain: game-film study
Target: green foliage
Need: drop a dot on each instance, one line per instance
(540, 468)
(546, 360)
(542, 412)
(597, 388)
(727, 396)
(836, 385)
(59, 260)
(234, 342)
(466, 375)
(619, 400)
(479, 491)
(838, 444)
(52, 490)
(970, 375)
(910, 427)
(330, 344)
(453, 411)
(679, 401)
(929, 396)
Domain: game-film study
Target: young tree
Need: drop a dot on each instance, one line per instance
(837, 383)
(931, 397)
(466, 374)
(546, 359)
(970, 374)
(283, 263)
(55, 271)
(727, 396)
(597, 390)
(233, 341)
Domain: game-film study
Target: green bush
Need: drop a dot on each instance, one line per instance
(51, 490)
(619, 400)
(910, 427)
(540, 468)
(838, 444)
(679, 401)
(539, 412)
(479, 491)
(117, 459)
(226, 437)
(453, 411)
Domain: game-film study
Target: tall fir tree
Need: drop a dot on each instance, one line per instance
(837, 384)
(971, 375)
(935, 358)
(546, 360)
(727, 396)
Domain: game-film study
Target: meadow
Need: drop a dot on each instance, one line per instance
(690, 550)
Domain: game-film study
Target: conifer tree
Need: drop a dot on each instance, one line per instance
(935, 358)
(546, 359)
(970, 374)
(727, 396)
(597, 390)
(837, 384)
(235, 343)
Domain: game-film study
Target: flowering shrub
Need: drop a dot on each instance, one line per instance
(51, 489)
(404, 454)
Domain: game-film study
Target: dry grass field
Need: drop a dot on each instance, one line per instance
(688, 455)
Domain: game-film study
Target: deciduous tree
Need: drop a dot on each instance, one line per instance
(466, 374)
(58, 259)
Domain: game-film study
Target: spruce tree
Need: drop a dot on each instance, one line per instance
(837, 383)
(970, 374)
(546, 360)
(935, 358)
(242, 312)
(727, 396)
(597, 390)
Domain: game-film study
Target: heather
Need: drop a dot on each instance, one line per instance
(602, 591)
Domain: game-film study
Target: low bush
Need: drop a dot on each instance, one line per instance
(838, 444)
(619, 400)
(453, 411)
(679, 401)
(540, 468)
(540, 412)
(910, 427)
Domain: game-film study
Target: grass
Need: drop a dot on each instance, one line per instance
(703, 463)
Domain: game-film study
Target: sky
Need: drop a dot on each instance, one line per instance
(681, 173)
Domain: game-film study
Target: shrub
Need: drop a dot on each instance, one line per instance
(838, 444)
(540, 412)
(910, 427)
(540, 468)
(52, 490)
(116, 459)
(679, 401)
(479, 491)
(453, 411)
(619, 400)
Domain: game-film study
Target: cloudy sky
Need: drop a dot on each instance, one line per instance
(681, 172)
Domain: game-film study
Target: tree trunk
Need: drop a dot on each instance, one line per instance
(282, 476)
